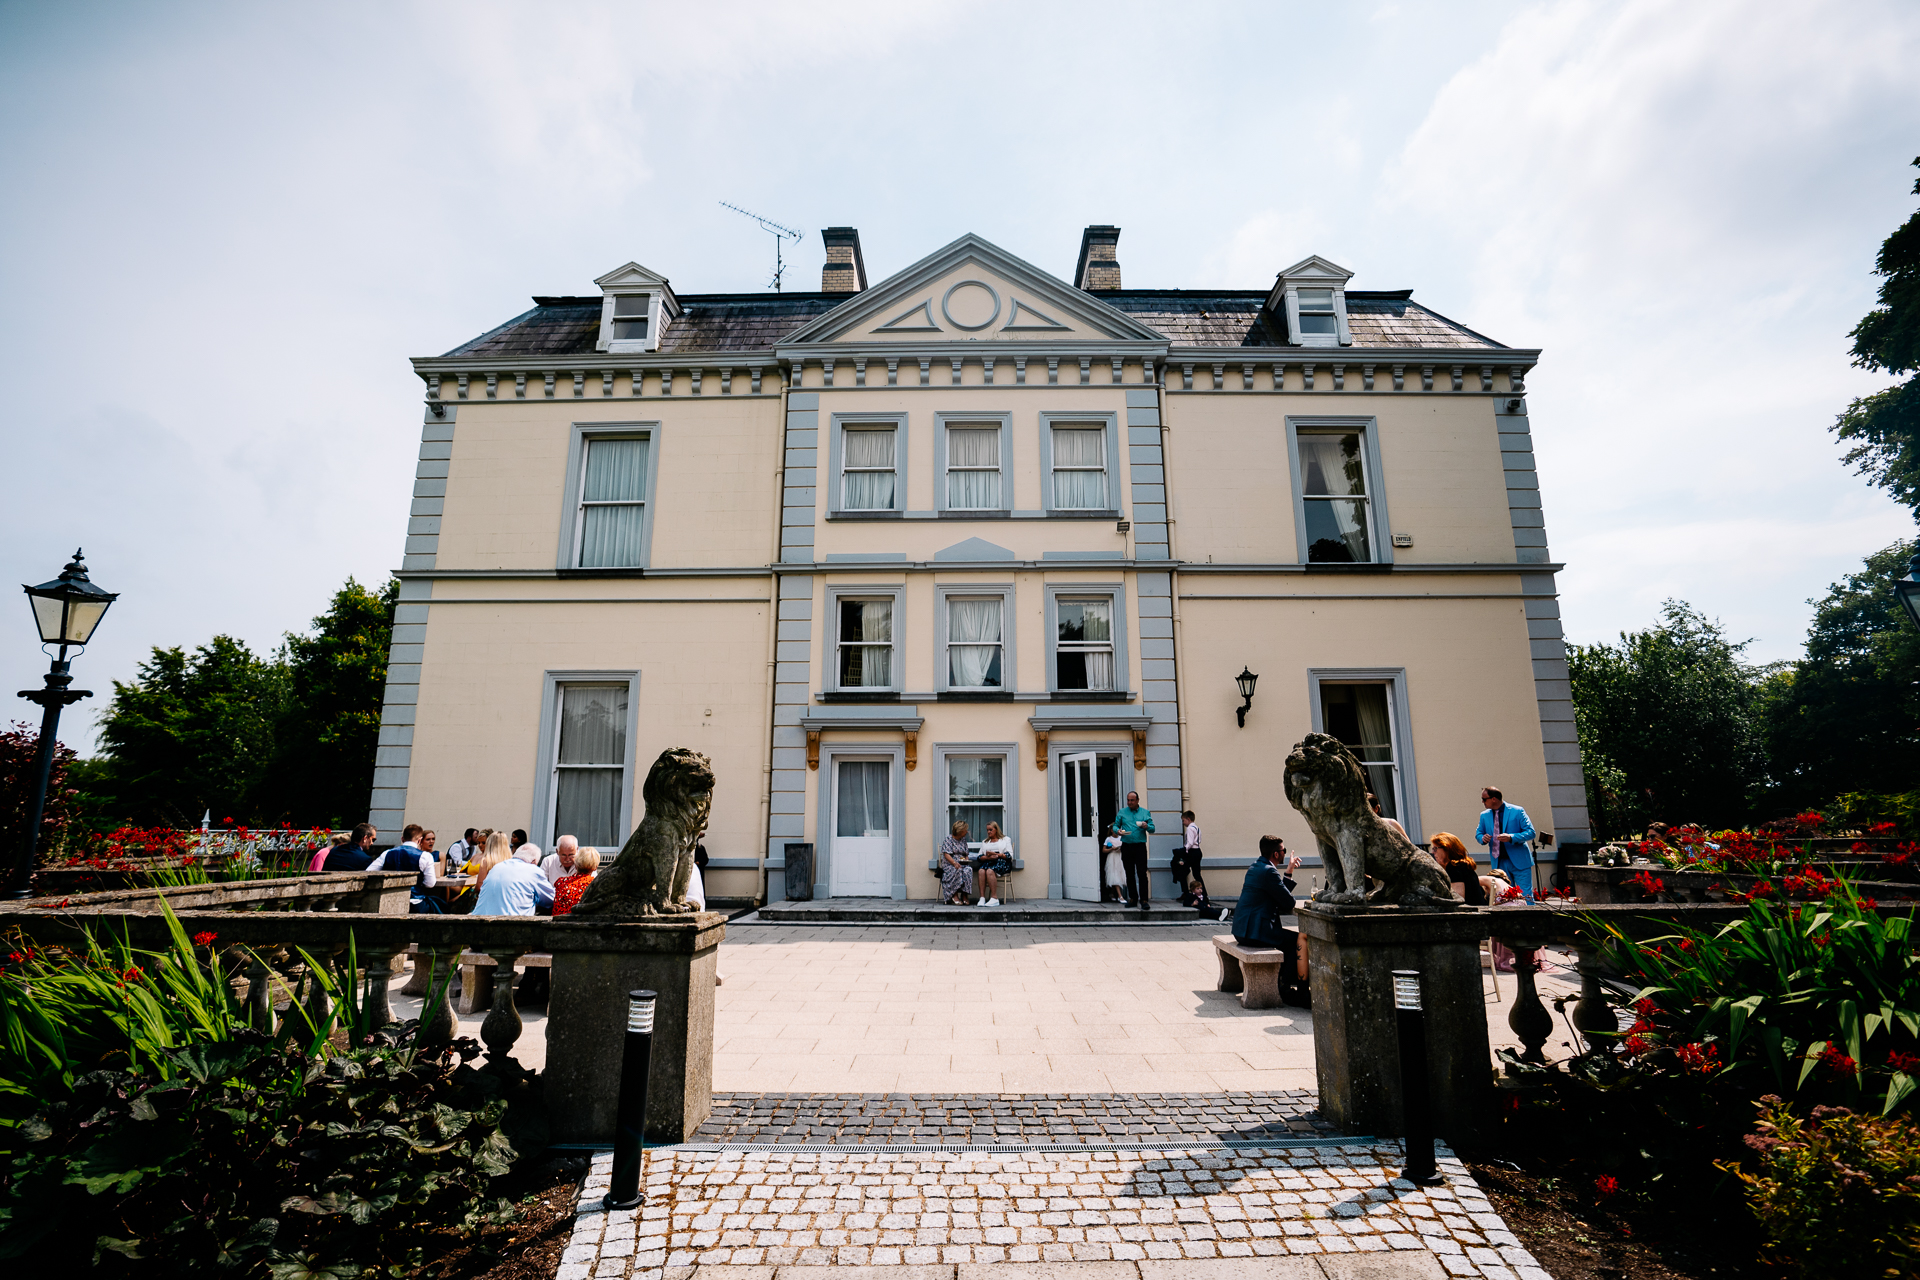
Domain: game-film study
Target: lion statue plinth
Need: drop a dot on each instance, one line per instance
(651, 875)
(1327, 785)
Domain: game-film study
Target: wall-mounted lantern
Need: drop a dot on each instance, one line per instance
(1246, 680)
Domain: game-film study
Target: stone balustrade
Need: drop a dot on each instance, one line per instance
(260, 927)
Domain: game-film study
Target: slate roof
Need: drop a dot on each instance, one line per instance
(565, 326)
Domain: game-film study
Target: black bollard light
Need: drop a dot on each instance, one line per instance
(629, 1135)
(1415, 1106)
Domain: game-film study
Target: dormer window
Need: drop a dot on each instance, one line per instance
(630, 317)
(1317, 317)
(1309, 304)
(637, 306)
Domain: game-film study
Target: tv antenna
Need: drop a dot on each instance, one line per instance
(778, 232)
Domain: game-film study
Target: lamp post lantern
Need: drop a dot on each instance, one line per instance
(1245, 680)
(1907, 590)
(66, 611)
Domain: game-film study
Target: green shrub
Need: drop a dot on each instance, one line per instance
(1818, 1001)
(1837, 1194)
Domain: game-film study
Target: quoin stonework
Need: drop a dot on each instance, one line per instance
(974, 542)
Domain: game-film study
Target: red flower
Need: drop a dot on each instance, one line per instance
(1648, 883)
(1703, 1058)
(1637, 1045)
(1868, 904)
(1606, 1187)
(1903, 1061)
(204, 939)
(1839, 1063)
(1686, 944)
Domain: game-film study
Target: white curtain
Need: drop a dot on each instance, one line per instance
(1100, 670)
(871, 489)
(1078, 447)
(973, 447)
(1085, 622)
(973, 644)
(1331, 466)
(974, 794)
(593, 731)
(861, 808)
(616, 473)
(866, 634)
(1376, 733)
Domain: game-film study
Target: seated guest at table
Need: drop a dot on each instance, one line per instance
(568, 888)
(461, 851)
(559, 864)
(996, 860)
(956, 876)
(498, 850)
(1265, 898)
(519, 843)
(1450, 851)
(513, 888)
(357, 853)
(409, 856)
(426, 842)
(319, 862)
(1373, 803)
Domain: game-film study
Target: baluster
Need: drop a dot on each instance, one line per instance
(317, 1003)
(259, 994)
(379, 1004)
(437, 1022)
(502, 1026)
(420, 981)
(1528, 1018)
(1593, 1015)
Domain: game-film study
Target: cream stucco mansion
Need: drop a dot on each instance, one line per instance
(973, 541)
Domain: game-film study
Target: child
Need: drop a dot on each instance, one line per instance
(1114, 880)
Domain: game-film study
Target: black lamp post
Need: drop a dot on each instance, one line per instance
(1246, 680)
(66, 611)
(1907, 590)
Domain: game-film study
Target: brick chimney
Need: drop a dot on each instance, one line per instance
(844, 271)
(1099, 267)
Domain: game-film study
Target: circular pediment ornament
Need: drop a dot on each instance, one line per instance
(970, 304)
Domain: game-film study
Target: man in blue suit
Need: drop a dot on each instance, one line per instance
(1508, 833)
(1265, 897)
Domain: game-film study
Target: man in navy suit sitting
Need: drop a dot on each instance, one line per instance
(1265, 897)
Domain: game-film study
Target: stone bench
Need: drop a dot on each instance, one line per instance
(1254, 972)
(477, 977)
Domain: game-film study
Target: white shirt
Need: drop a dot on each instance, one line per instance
(1193, 835)
(1114, 843)
(697, 890)
(555, 872)
(427, 877)
(458, 852)
(994, 847)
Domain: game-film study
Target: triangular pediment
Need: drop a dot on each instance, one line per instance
(973, 549)
(1316, 267)
(972, 290)
(631, 276)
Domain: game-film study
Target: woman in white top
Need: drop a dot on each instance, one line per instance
(996, 860)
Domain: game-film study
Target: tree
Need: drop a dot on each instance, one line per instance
(328, 733)
(1844, 717)
(193, 732)
(19, 751)
(1885, 426)
(1666, 725)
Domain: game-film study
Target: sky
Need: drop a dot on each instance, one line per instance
(226, 228)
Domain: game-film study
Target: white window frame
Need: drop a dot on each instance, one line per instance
(944, 421)
(1407, 777)
(547, 751)
(839, 424)
(1117, 592)
(573, 507)
(830, 637)
(656, 316)
(1004, 591)
(1111, 443)
(1010, 755)
(1342, 335)
(1379, 536)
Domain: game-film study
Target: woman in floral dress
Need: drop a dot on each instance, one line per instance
(567, 889)
(956, 876)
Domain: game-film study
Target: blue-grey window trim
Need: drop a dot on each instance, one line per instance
(837, 424)
(576, 476)
(941, 421)
(1011, 755)
(1008, 663)
(1122, 672)
(895, 751)
(541, 819)
(1395, 678)
(1057, 799)
(1050, 419)
(830, 633)
(1380, 534)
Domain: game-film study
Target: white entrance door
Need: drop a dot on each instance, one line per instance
(1080, 850)
(862, 855)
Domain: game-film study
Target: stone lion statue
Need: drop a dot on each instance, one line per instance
(651, 875)
(1329, 788)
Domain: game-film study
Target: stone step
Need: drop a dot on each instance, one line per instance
(885, 911)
